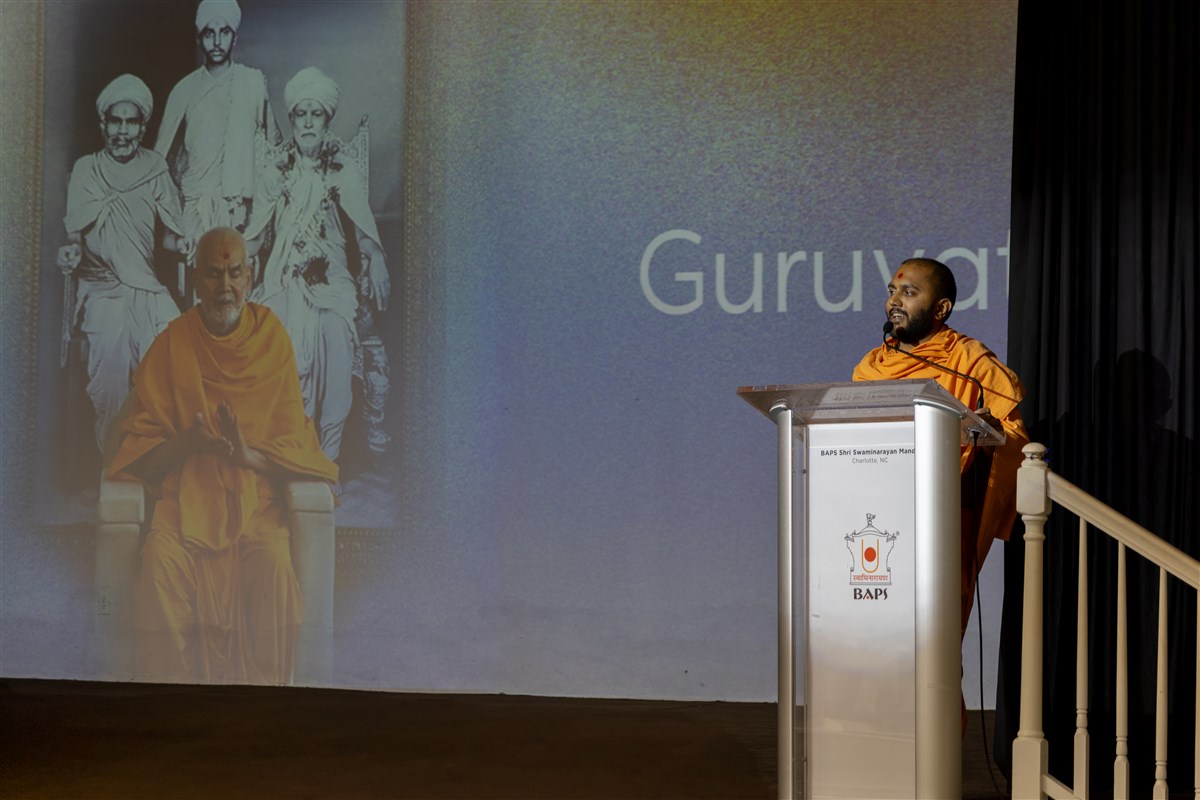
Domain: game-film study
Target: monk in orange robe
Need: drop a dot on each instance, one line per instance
(920, 297)
(215, 428)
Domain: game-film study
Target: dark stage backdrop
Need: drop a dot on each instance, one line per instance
(1103, 329)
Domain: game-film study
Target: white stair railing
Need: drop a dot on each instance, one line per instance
(1037, 489)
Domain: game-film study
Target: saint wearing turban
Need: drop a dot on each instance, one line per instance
(218, 13)
(217, 126)
(126, 89)
(312, 84)
(325, 245)
(117, 201)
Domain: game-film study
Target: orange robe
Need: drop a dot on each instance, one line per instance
(991, 516)
(217, 598)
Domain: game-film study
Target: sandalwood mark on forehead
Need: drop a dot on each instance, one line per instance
(899, 274)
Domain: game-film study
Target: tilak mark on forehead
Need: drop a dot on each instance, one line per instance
(899, 274)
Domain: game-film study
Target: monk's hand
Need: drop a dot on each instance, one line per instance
(239, 213)
(227, 424)
(242, 454)
(69, 256)
(202, 440)
(985, 414)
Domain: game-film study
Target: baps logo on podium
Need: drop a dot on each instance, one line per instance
(870, 551)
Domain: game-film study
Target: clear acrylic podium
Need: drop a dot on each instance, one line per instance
(878, 605)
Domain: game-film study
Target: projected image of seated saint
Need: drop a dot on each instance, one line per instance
(216, 426)
(324, 256)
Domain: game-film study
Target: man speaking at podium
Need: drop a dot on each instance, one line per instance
(918, 344)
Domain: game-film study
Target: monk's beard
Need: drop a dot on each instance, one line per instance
(221, 319)
(914, 328)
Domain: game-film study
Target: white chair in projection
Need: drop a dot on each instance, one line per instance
(123, 516)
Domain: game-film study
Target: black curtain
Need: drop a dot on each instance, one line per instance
(1103, 332)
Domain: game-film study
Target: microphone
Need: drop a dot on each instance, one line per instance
(887, 329)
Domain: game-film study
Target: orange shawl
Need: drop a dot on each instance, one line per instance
(1002, 393)
(188, 371)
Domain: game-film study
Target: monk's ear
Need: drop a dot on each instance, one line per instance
(942, 309)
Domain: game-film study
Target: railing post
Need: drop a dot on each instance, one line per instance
(1121, 762)
(1030, 751)
(1081, 784)
(1161, 791)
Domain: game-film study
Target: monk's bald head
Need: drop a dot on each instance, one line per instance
(222, 246)
(940, 278)
(920, 297)
(222, 279)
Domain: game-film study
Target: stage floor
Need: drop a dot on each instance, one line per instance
(67, 739)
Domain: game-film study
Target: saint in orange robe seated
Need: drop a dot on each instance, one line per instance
(217, 427)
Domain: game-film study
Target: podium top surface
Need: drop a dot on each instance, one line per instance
(866, 401)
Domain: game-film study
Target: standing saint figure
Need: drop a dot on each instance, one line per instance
(116, 198)
(314, 206)
(217, 127)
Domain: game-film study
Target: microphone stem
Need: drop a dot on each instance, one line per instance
(943, 368)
